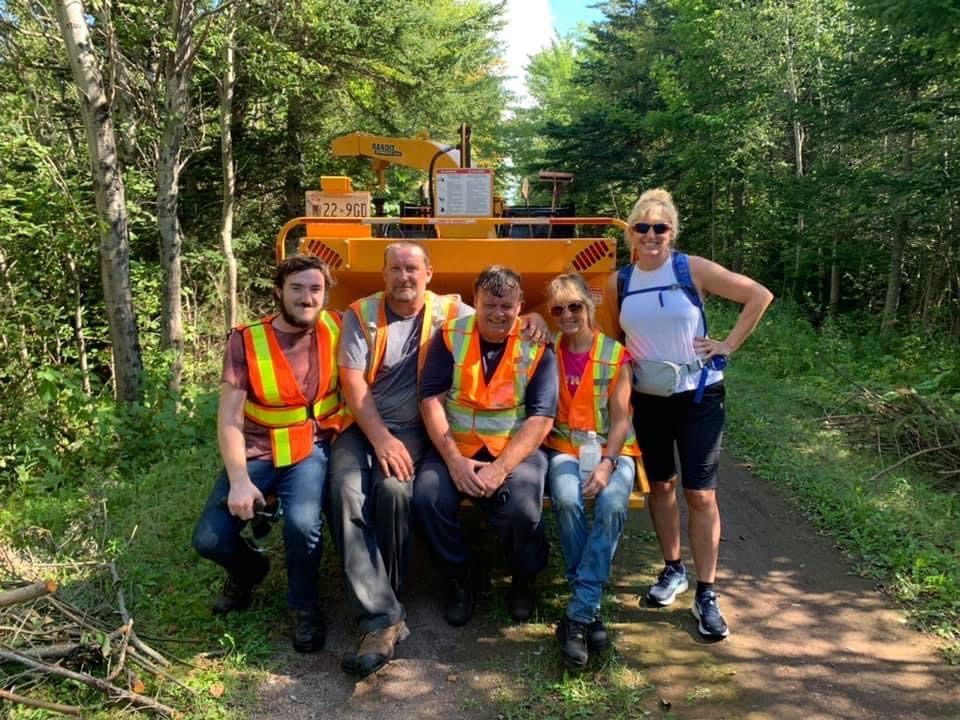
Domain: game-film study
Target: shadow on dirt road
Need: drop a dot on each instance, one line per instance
(809, 640)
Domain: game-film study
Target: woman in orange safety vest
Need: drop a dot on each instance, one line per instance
(594, 410)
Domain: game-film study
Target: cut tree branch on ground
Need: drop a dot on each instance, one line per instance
(27, 593)
(109, 689)
(72, 710)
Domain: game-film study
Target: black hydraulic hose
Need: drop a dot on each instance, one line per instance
(433, 160)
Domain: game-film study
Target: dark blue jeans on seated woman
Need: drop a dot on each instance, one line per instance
(300, 488)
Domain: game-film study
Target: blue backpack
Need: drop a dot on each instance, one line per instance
(681, 269)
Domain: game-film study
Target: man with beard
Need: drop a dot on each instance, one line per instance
(279, 409)
(488, 401)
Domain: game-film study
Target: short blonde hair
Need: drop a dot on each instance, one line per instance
(571, 287)
(659, 202)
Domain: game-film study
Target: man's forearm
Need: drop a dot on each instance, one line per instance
(438, 428)
(528, 438)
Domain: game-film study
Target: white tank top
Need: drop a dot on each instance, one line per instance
(661, 324)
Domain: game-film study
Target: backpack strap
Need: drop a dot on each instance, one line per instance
(623, 279)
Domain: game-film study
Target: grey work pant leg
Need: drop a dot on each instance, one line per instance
(369, 517)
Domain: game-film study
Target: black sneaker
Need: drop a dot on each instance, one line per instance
(711, 623)
(237, 590)
(598, 639)
(573, 643)
(309, 631)
(460, 599)
(522, 597)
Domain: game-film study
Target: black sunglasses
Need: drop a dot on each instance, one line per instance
(575, 308)
(643, 228)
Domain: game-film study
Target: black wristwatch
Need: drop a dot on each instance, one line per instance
(613, 460)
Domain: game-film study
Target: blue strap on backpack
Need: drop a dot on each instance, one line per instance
(681, 269)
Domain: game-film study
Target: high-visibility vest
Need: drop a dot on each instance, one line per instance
(275, 400)
(371, 314)
(589, 407)
(485, 414)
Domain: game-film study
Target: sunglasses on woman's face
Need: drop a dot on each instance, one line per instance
(575, 308)
(643, 228)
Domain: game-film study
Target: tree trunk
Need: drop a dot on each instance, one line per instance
(111, 204)
(78, 336)
(181, 18)
(834, 280)
(798, 139)
(229, 174)
(293, 186)
(898, 246)
(739, 213)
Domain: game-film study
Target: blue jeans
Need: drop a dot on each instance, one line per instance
(588, 554)
(300, 488)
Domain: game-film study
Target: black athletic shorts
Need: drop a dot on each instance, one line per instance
(695, 430)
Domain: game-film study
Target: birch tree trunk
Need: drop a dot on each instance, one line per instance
(181, 18)
(229, 175)
(798, 140)
(111, 203)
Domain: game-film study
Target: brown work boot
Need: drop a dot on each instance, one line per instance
(375, 650)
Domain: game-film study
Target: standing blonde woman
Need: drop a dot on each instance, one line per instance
(594, 396)
(678, 400)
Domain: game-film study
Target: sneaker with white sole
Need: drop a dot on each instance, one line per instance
(706, 610)
(670, 583)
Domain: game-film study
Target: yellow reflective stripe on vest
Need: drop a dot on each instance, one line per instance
(605, 364)
(274, 417)
(333, 334)
(282, 447)
(528, 355)
(459, 333)
(264, 362)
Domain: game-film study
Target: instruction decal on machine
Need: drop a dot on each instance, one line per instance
(326, 204)
(464, 192)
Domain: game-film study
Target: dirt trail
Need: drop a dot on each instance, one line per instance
(809, 640)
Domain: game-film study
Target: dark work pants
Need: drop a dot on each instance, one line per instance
(369, 517)
(300, 488)
(514, 513)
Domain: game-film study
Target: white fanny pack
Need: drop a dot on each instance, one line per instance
(661, 377)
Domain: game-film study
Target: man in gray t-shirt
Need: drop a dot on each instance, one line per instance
(374, 460)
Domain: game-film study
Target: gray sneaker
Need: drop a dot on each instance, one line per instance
(670, 583)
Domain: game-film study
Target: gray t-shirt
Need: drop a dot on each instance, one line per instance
(395, 386)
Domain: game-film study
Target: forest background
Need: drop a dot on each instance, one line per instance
(810, 144)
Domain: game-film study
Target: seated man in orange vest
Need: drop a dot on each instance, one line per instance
(374, 460)
(488, 399)
(279, 409)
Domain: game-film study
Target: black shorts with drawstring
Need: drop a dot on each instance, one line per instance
(666, 426)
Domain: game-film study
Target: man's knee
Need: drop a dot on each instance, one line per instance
(303, 522)
(205, 539)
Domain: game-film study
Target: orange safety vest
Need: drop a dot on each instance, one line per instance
(481, 414)
(371, 314)
(275, 400)
(589, 408)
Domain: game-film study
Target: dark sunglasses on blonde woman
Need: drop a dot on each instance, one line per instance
(643, 228)
(575, 308)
